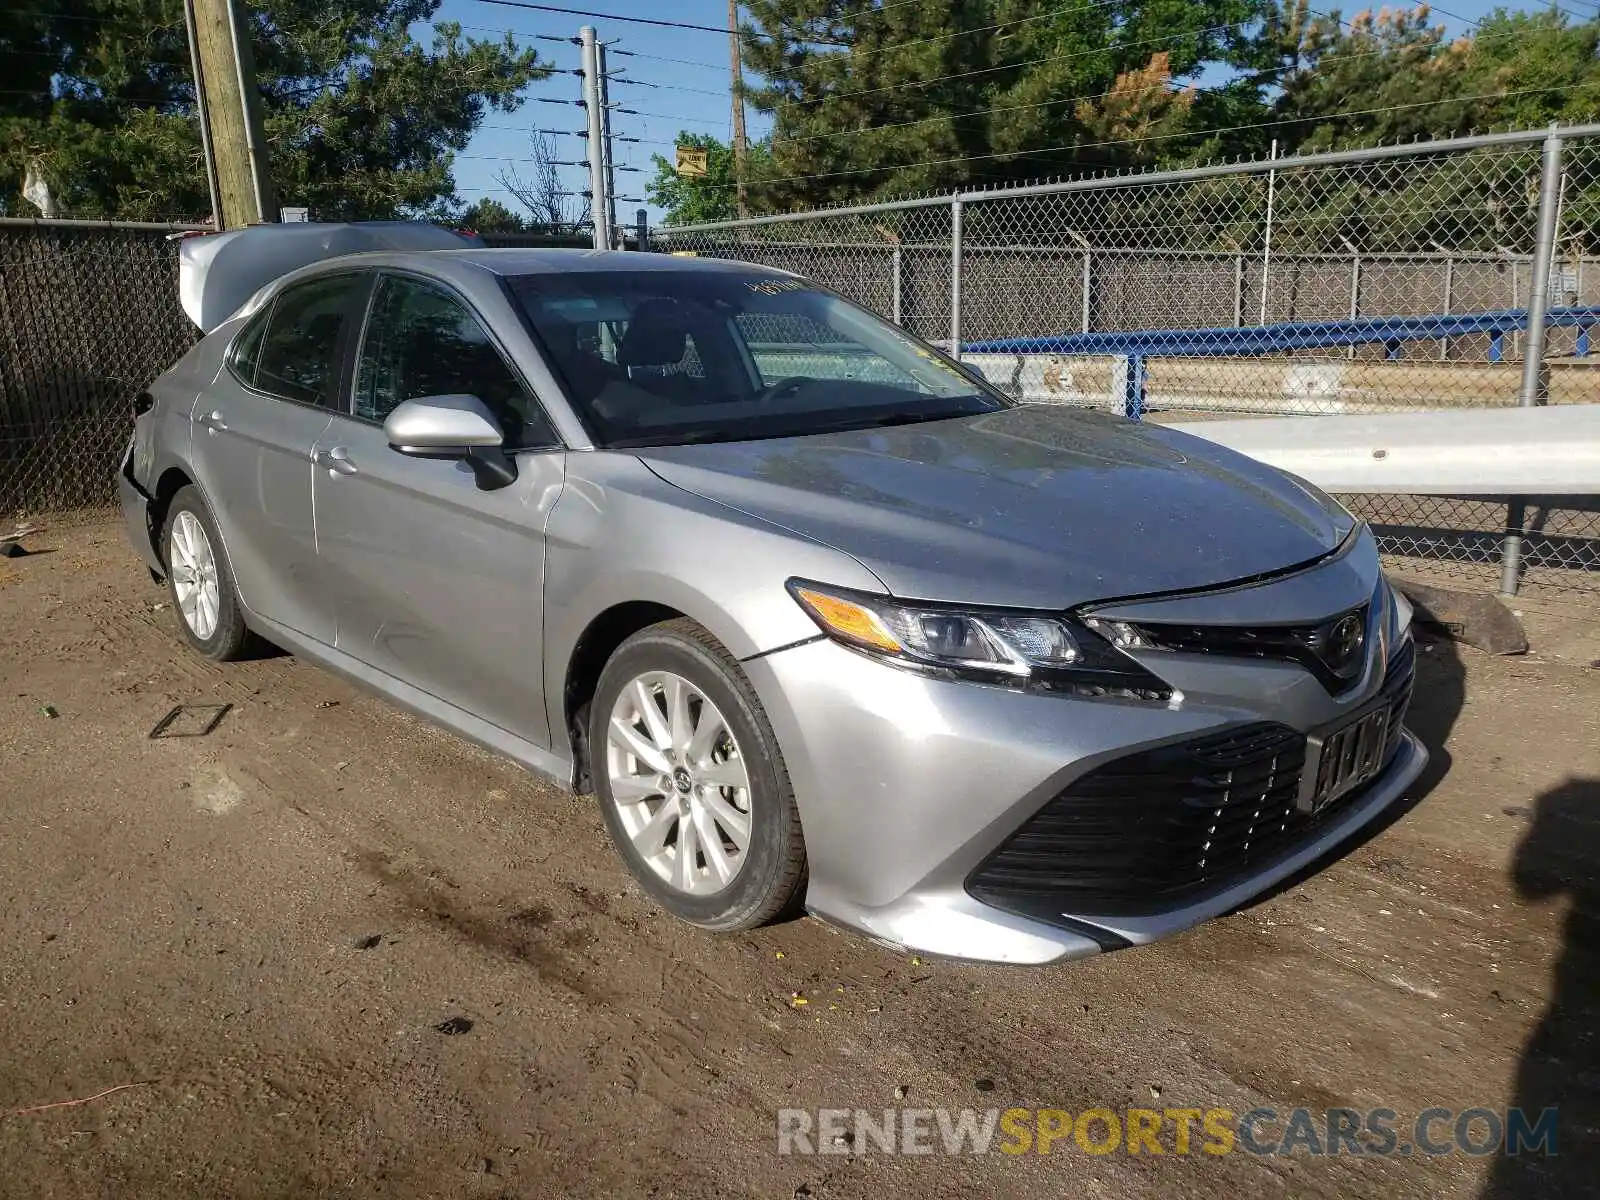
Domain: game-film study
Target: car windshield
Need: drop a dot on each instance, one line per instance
(659, 357)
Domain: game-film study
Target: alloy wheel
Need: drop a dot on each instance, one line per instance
(195, 581)
(679, 782)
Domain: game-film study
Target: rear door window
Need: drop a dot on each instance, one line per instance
(299, 353)
(247, 347)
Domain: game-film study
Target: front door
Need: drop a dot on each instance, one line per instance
(254, 431)
(434, 581)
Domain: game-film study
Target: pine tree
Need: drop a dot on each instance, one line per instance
(871, 100)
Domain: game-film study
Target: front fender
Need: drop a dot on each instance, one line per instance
(620, 535)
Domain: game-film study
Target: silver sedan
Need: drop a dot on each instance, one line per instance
(821, 618)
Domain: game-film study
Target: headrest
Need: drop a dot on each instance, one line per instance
(657, 336)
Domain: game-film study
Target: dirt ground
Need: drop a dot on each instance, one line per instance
(341, 953)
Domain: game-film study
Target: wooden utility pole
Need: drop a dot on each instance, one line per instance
(736, 87)
(230, 104)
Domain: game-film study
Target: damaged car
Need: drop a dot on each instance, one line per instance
(822, 619)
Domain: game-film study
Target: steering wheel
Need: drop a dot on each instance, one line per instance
(783, 387)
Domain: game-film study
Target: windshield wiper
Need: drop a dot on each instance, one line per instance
(910, 416)
(678, 437)
(765, 428)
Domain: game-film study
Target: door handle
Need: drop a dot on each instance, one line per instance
(336, 459)
(214, 422)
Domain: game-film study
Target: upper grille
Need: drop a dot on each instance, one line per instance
(1146, 832)
(1333, 650)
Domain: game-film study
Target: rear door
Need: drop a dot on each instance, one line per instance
(254, 431)
(436, 582)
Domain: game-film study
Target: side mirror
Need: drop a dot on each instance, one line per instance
(456, 426)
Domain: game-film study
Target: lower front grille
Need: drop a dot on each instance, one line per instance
(1147, 832)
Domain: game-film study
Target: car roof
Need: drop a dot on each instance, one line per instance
(550, 260)
(468, 268)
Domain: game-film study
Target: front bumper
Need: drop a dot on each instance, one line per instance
(907, 783)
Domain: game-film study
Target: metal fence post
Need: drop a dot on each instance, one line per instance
(896, 267)
(1266, 241)
(1516, 302)
(1088, 288)
(1535, 371)
(1449, 300)
(1133, 388)
(955, 277)
(1355, 287)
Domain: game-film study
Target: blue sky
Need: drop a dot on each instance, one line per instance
(688, 67)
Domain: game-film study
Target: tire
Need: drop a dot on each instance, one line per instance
(210, 620)
(767, 875)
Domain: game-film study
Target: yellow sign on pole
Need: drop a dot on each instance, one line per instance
(692, 163)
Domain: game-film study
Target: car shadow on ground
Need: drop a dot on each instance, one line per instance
(1559, 859)
(258, 649)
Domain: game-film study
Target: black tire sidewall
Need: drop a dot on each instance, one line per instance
(229, 636)
(767, 857)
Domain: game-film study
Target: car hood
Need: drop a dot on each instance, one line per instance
(1038, 507)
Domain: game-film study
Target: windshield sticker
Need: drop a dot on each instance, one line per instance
(776, 287)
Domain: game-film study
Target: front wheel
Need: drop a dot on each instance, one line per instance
(691, 783)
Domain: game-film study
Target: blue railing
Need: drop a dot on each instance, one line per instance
(1390, 332)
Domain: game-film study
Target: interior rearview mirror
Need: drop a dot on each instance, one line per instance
(455, 426)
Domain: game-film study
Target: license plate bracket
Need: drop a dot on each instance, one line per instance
(1344, 757)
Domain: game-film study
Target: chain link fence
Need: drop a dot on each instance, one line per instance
(1382, 280)
(89, 315)
(1363, 281)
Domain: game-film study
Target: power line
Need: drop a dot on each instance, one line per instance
(1160, 137)
(685, 62)
(1050, 58)
(955, 33)
(522, 158)
(655, 116)
(57, 15)
(1061, 58)
(118, 101)
(1162, 40)
(658, 22)
(576, 134)
(670, 87)
(58, 55)
(1254, 77)
(879, 11)
(851, 54)
(717, 29)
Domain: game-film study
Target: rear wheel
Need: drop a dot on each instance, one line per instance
(203, 595)
(691, 782)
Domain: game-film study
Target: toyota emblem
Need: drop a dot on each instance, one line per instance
(1341, 646)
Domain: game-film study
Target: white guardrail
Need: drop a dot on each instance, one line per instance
(1552, 451)
(1372, 447)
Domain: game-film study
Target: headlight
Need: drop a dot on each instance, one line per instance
(1047, 650)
